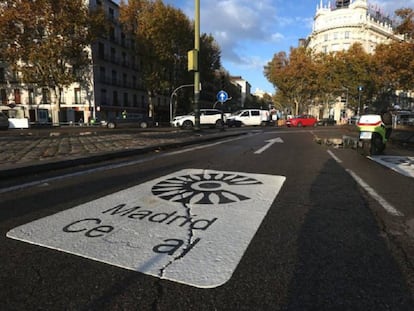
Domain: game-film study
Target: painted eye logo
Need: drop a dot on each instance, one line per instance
(208, 188)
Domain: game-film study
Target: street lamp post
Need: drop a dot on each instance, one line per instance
(175, 93)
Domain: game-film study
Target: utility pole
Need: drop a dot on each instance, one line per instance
(197, 71)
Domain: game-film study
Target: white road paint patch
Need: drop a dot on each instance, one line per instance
(192, 226)
(401, 164)
(269, 142)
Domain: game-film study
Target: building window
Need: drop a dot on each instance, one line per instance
(102, 74)
(77, 96)
(103, 97)
(125, 79)
(113, 55)
(126, 104)
(346, 34)
(326, 37)
(143, 101)
(123, 41)
(115, 98)
(112, 33)
(3, 96)
(17, 96)
(135, 99)
(2, 75)
(335, 36)
(31, 97)
(45, 95)
(111, 13)
(114, 77)
(101, 50)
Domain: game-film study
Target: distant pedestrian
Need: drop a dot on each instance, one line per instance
(386, 117)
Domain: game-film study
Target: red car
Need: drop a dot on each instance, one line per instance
(302, 120)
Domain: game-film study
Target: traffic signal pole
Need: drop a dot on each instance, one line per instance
(197, 71)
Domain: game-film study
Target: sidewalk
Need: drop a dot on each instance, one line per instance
(32, 151)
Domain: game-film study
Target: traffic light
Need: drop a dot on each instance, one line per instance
(192, 60)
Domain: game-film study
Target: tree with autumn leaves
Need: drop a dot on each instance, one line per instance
(304, 78)
(164, 35)
(46, 41)
(48, 44)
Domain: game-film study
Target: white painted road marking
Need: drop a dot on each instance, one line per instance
(387, 206)
(401, 164)
(192, 226)
(269, 142)
(384, 203)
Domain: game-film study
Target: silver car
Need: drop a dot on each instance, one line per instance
(209, 117)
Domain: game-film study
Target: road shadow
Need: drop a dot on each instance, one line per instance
(343, 262)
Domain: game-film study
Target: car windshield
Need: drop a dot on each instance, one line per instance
(236, 113)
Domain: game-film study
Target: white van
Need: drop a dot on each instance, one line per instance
(248, 117)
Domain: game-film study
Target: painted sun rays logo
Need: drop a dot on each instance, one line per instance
(203, 188)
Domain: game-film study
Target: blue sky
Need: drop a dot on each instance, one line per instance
(250, 32)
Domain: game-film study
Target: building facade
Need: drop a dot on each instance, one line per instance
(244, 87)
(336, 27)
(114, 83)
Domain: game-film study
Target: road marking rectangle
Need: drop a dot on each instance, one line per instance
(192, 226)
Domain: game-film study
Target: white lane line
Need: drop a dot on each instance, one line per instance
(112, 166)
(334, 156)
(387, 206)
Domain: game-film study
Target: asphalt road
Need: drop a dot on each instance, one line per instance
(285, 226)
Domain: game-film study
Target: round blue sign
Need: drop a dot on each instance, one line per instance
(222, 96)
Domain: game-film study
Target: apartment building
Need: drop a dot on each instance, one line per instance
(114, 83)
(339, 24)
(244, 87)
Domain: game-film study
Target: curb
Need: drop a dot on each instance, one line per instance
(101, 157)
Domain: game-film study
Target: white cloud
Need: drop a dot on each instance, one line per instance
(277, 37)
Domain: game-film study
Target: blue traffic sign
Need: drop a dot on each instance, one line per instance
(222, 96)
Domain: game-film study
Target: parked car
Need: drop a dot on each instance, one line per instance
(137, 121)
(405, 118)
(209, 117)
(4, 121)
(326, 121)
(302, 120)
(353, 120)
(248, 117)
